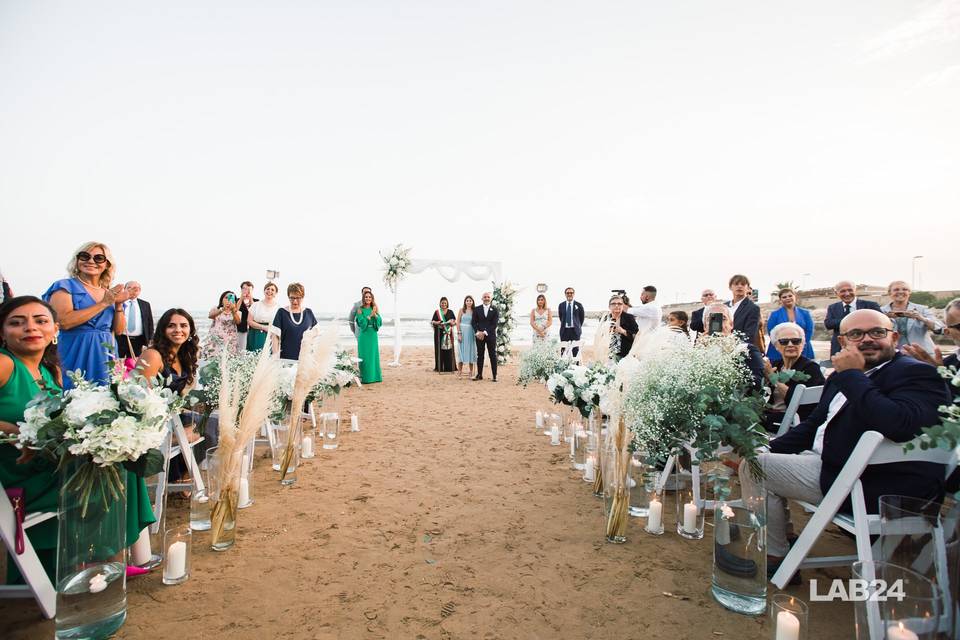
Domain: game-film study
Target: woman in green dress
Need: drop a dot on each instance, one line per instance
(29, 365)
(368, 341)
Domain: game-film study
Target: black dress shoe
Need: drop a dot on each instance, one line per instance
(734, 565)
(494, 380)
(475, 379)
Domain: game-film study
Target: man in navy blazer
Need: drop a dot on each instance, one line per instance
(874, 388)
(837, 311)
(746, 313)
(571, 315)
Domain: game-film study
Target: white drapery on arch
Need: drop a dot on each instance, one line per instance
(451, 271)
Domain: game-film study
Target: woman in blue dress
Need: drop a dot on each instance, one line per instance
(466, 336)
(87, 309)
(790, 312)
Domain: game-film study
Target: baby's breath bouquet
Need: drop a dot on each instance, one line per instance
(541, 361)
(580, 386)
(105, 427)
(702, 395)
(241, 367)
(345, 373)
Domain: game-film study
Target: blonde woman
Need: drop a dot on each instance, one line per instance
(90, 312)
(541, 319)
(914, 322)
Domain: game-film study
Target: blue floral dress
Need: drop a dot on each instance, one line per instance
(90, 345)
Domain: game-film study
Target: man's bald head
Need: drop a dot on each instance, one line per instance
(865, 319)
(846, 291)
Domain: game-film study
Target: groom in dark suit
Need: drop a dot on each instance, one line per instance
(837, 311)
(485, 319)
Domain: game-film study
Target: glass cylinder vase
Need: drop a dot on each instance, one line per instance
(330, 424)
(740, 555)
(91, 548)
(245, 497)
(788, 617)
(690, 490)
(287, 453)
(224, 484)
(177, 544)
(643, 485)
(616, 493)
(894, 603)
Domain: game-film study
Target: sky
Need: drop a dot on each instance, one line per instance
(600, 144)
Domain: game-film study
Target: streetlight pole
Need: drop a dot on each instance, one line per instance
(915, 272)
(803, 281)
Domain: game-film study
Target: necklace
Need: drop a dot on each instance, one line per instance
(293, 320)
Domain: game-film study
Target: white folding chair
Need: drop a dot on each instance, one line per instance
(701, 502)
(185, 448)
(38, 584)
(802, 395)
(569, 345)
(872, 449)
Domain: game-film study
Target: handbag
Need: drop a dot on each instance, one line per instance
(129, 364)
(15, 495)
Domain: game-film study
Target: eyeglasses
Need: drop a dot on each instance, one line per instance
(955, 327)
(794, 341)
(294, 297)
(83, 256)
(856, 335)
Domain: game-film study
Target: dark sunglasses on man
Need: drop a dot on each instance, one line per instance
(83, 256)
(794, 341)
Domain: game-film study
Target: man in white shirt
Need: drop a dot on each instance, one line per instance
(873, 388)
(647, 313)
(139, 330)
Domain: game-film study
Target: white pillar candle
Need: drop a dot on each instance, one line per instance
(788, 626)
(690, 518)
(140, 551)
(654, 515)
(539, 418)
(589, 469)
(245, 465)
(722, 531)
(573, 446)
(307, 446)
(897, 632)
(354, 422)
(554, 435)
(244, 492)
(176, 565)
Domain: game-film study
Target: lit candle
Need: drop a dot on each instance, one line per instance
(655, 515)
(354, 422)
(140, 551)
(555, 435)
(244, 492)
(539, 418)
(690, 517)
(900, 632)
(589, 469)
(176, 566)
(722, 531)
(788, 626)
(307, 447)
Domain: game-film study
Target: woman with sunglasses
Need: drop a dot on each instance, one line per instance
(90, 313)
(790, 312)
(788, 339)
(290, 323)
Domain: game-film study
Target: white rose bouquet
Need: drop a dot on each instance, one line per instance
(121, 424)
(395, 266)
(580, 386)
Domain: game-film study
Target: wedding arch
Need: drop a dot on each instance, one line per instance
(398, 264)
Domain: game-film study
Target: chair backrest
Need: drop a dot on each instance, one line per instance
(888, 452)
(802, 395)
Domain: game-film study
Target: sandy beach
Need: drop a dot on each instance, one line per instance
(447, 516)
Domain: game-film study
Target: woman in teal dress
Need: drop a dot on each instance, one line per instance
(29, 364)
(368, 340)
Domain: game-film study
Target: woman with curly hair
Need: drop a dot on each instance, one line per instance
(90, 312)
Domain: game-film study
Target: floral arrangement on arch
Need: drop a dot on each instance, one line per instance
(701, 395)
(395, 266)
(541, 361)
(504, 296)
(581, 386)
(121, 424)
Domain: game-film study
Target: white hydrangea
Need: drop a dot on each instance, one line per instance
(85, 402)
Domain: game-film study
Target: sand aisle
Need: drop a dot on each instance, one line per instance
(446, 517)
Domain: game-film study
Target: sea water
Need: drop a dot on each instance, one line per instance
(82, 614)
(742, 536)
